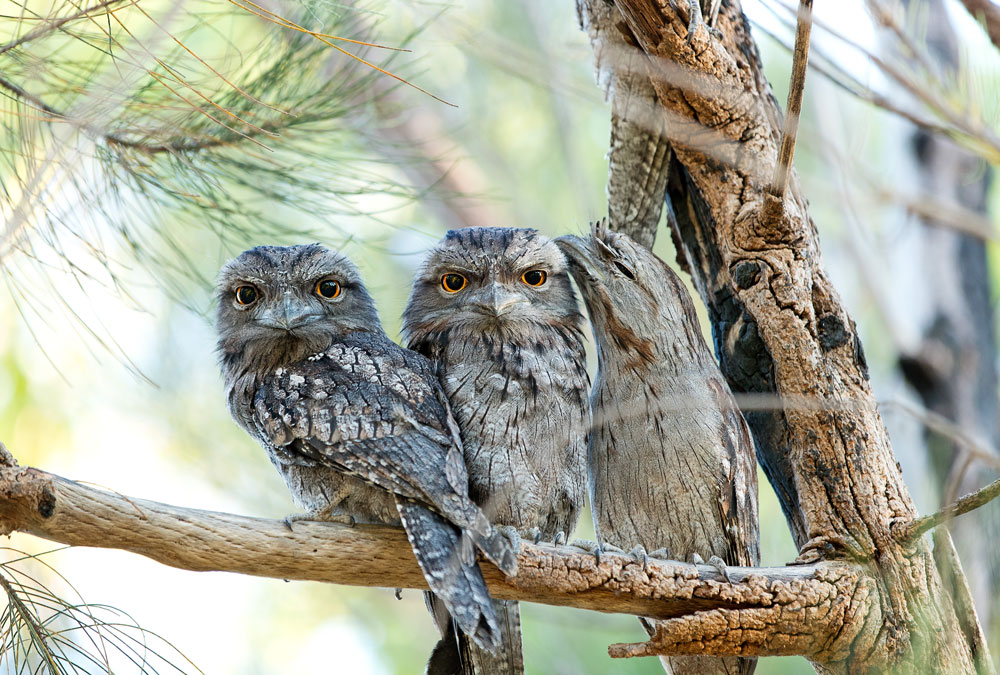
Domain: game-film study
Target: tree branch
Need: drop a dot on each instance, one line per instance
(970, 502)
(694, 597)
(116, 140)
(51, 25)
(779, 328)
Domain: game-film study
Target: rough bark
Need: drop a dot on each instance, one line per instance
(765, 608)
(780, 328)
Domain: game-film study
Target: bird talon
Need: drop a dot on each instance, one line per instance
(585, 545)
(638, 554)
(720, 564)
(324, 515)
(512, 535)
(533, 534)
(559, 539)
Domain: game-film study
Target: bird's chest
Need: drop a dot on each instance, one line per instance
(496, 384)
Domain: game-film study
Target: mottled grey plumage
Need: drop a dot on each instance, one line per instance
(671, 458)
(357, 426)
(511, 358)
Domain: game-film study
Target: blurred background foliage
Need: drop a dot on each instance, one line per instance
(150, 144)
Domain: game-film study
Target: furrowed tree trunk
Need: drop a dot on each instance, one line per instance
(780, 331)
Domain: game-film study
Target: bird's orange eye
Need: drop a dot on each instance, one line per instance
(453, 282)
(327, 288)
(534, 277)
(246, 295)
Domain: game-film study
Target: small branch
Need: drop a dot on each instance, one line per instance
(114, 140)
(756, 607)
(969, 502)
(940, 424)
(931, 95)
(793, 109)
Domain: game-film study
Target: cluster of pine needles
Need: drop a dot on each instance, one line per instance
(162, 137)
(41, 632)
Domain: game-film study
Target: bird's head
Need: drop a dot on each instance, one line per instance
(635, 301)
(279, 304)
(496, 280)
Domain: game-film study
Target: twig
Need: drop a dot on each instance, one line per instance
(969, 502)
(115, 140)
(937, 102)
(54, 24)
(942, 425)
(843, 80)
(796, 88)
(946, 559)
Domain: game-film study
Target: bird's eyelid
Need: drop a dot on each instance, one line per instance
(624, 267)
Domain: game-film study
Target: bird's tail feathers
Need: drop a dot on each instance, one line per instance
(448, 563)
(455, 654)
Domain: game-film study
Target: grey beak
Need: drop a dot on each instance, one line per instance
(579, 254)
(497, 300)
(291, 314)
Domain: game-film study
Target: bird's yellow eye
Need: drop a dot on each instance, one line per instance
(327, 288)
(534, 277)
(453, 282)
(246, 295)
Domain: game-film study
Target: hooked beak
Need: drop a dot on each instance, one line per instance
(581, 256)
(291, 314)
(497, 300)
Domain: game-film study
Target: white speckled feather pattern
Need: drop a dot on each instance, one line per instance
(356, 425)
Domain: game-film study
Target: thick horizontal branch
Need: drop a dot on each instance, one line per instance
(781, 610)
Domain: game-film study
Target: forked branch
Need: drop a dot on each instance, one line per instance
(701, 605)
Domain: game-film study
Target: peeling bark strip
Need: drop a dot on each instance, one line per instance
(780, 328)
(762, 601)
